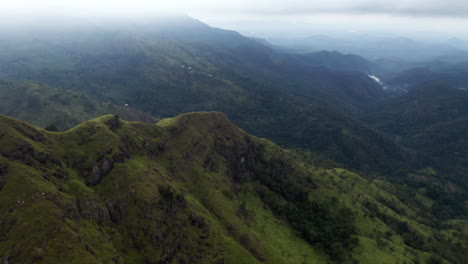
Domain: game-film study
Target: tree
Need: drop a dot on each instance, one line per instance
(52, 127)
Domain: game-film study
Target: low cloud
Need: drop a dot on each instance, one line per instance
(300, 16)
(431, 8)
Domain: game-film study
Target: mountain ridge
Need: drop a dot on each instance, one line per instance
(45, 106)
(262, 90)
(129, 192)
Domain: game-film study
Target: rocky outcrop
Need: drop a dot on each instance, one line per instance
(92, 210)
(31, 133)
(117, 210)
(98, 171)
(47, 157)
(3, 172)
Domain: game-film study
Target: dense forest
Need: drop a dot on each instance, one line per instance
(170, 141)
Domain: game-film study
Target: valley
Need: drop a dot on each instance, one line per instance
(172, 141)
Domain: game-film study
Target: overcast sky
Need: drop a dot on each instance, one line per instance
(450, 16)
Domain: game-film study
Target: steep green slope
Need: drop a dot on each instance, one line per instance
(197, 189)
(433, 119)
(44, 106)
(159, 68)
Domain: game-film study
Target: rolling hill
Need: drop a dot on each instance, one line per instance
(45, 106)
(453, 73)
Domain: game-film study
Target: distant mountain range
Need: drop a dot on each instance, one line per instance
(295, 100)
(377, 47)
(453, 73)
(196, 188)
(153, 53)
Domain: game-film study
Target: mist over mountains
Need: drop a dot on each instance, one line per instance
(288, 150)
(381, 47)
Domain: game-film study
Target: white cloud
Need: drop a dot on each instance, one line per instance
(270, 7)
(426, 15)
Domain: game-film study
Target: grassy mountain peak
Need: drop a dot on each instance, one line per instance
(196, 188)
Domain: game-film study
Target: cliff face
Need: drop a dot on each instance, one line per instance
(191, 189)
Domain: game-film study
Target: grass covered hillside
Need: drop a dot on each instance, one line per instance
(197, 189)
(44, 106)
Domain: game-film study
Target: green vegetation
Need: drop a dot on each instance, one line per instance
(57, 109)
(166, 69)
(432, 119)
(197, 189)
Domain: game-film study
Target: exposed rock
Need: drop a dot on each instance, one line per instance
(47, 177)
(3, 172)
(42, 157)
(69, 209)
(78, 163)
(90, 250)
(122, 156)
(117, 210)
(6, 224)
(160, 215)
(54, 159)
(92, 210)
(60, 174)
(31, 133)
(22, 152)
(98, 171)
(153, 149)
(148, 210)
